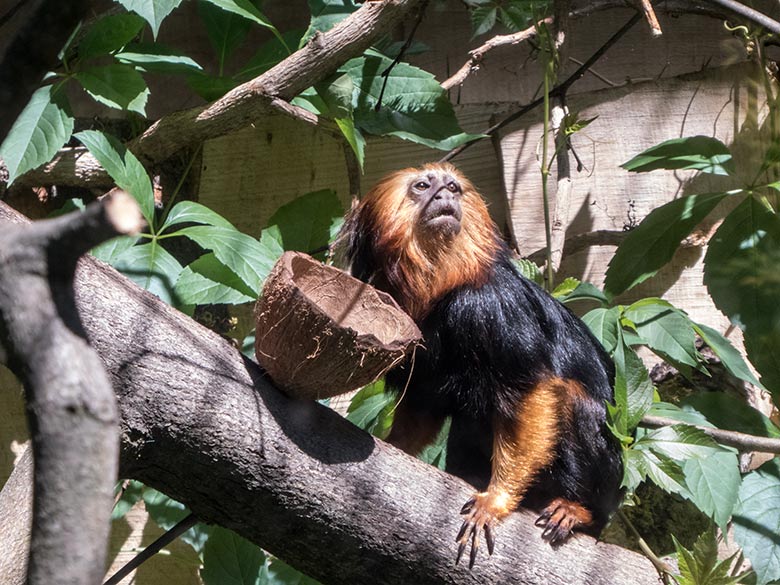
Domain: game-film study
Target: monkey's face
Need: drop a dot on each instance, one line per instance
(438, 195)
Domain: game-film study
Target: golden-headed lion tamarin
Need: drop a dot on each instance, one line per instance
(525, 382)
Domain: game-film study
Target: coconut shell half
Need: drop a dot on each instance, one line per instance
(321, 332)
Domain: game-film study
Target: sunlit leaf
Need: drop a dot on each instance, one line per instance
(701, 153)
(39, 132)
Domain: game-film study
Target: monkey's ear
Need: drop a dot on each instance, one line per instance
(353, 247)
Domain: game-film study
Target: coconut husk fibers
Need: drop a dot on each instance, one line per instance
(321, 332)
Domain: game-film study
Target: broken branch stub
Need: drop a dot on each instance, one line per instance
(321, 332)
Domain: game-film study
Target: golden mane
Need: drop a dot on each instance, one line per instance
(419, 268)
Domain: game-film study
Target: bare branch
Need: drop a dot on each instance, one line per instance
(741, 441)
(70, 403)
(647, 9)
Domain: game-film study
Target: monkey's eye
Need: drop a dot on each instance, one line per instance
(421, 185)
(452, 186)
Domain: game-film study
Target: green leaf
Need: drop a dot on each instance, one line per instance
(700, 153)
(210, 88)
(155, 58)
(483, 18)
(633, 387)
(280, 573)
(269, 54)
(152, 268)
(192, 212)
(672, 411)
(123, 166)
(701, 565)
(604, 324)
(713, 483)
(167, 512)
(565, 288)
(109, 251)
(39, 132)
(229, 559)
(371, 409)
(585, 291)
(680, 443)
(326, 13)
(207, 281)
(309, 222)
(247, 10)
(110, 33)
(226, 30)
(518, 15)
(652, 244)
(660, 469)
(414, 106)
(354, 138)
(529, 270)
(727, 354)
(731, 413)
(249, 259)
(153, 11)
(740, 271)
(664, 329)
(116, 86)
(436, 453)
(130, 496)
(757, 521)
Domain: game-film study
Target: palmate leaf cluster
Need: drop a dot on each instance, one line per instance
(111, 60)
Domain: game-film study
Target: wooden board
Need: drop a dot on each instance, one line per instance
(606, 197)
(13, 425)
(248, 175)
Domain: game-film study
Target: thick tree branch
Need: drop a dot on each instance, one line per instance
(201, 423)
(71, 408)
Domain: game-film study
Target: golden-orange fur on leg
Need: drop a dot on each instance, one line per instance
(523, 445)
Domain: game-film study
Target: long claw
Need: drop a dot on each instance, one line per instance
(468, 506)
(462, 530)
(461, 548)
(491, 543)
(474, 549)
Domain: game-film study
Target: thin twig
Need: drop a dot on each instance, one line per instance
(386, 73)
(740, 441)
(751, 14)
(151, 550)
(652, 19)
(556, 91)
(663, 569)
(475, 56)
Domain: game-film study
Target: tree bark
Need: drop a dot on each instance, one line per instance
(200, 423)
(71, 409)
(16, 514)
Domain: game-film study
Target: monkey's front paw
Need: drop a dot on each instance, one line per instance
(560, 517)
(483, 512)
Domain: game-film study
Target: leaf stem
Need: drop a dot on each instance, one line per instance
(664, 570)
(549, 71)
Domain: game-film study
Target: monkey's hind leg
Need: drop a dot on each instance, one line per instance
(523, 445)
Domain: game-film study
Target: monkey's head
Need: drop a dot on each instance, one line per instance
(421, 232)
(437, 193)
